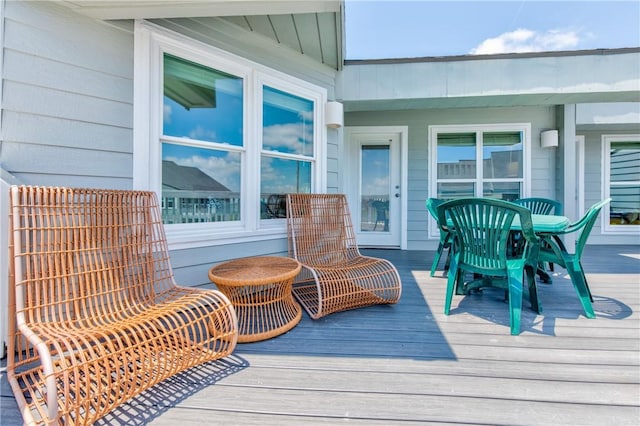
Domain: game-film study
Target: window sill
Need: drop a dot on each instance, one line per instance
(180, 239)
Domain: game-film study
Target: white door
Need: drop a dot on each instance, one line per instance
(375, 191)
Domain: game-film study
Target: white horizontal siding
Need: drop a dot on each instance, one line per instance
(191, 266)
(28, 128)
(67, 98)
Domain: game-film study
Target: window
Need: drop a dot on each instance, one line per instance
(221, 139)
(287, 149)
(621, 168)
(479, 161)
(202, 143)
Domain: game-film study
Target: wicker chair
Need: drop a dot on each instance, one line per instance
(335, 276)
(95, 316)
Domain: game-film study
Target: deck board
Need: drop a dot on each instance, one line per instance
(408, 363)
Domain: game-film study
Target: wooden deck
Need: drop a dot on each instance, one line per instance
(408, 363)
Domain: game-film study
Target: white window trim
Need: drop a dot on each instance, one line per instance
(433, 131)
(605, 221)
(151, 42)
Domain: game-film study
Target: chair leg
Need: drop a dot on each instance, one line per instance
(579, 281)
(452, 284)
(515, 300)
(447, 261)
(533, 290)
(436, 259)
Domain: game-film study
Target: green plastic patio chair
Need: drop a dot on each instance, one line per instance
(539, 205)
(482, 227)
(445, 236)
(554, 250)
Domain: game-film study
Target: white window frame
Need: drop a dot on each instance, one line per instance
(525, 128)
(151, 42)
(606, 226)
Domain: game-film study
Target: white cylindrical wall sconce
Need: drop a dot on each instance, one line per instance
(334, 115)
(549, 139)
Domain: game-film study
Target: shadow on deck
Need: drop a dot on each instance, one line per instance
(408, 363)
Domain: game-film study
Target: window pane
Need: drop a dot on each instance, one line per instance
(449, 191)
(456, 155)
(625, 183)
(279, 176)
(199, 185)
(625, 205)
(625, 161)
(508, 191)
(502, 155)
(201, 103)
(287, 122)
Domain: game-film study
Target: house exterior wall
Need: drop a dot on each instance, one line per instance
(67, 112)
(67, 101)
(418, 122)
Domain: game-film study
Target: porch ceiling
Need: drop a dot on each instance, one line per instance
(312, 28)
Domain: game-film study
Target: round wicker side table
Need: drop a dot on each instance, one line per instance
(259, 289)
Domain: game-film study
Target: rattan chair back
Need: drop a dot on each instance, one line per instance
(335, 276)
(95, 315)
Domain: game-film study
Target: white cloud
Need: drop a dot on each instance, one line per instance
(167, 114)
(288, 136)
(201, 133)
(524, 40)
(378, 186)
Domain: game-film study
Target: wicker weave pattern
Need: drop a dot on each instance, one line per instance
(260, 290)
(335, 276)
(95, 314)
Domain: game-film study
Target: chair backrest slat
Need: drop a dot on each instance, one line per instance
(483, 227)
(84, 254)
(320, 229)
(539, 205)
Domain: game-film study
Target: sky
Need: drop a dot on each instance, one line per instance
(381, 29)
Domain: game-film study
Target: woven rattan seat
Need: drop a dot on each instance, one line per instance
(95, 316)
(335, 276)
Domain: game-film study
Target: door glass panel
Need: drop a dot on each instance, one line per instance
(374, 188)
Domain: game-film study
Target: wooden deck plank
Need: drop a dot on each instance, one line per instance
(408, 363)
(406, 407)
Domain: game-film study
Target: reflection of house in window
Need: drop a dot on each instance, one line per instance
(501, 164)
(189, 195)
(189, 84)
(624, 181)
